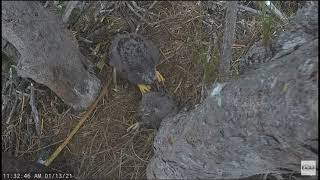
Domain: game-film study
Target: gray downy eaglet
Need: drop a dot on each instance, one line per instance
(135, 59)
(153, 108)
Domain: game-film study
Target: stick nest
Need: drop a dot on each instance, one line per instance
(188, 35)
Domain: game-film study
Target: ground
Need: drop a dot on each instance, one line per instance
(103, 147)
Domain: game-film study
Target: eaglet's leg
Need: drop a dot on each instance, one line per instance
(160, 78)
(144, 88)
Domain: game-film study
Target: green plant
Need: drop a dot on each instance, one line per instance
(211, 68)
(268, 25)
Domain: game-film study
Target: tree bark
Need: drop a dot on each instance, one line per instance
(264, 122)
(48, 53)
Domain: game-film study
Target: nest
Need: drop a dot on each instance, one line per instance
(188, 33)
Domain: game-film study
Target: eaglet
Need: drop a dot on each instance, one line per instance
(153, 108)
(135, 58)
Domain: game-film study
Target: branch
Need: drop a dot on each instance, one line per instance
(93, 106)
(142, 17)
(70, 6)
(228, 39)
(145, 10)
(248, 9)
(34, 110)
(276, 11)
(46, 4)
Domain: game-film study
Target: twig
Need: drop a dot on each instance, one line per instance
(34, 110)
(138, 7)
(149, 8)
(85, 40)
(22, 93)
(107, 4)
(114, 79)
(22, 104)
(228, 39)
(153, 4)
(41, 148)
(275, 11)
(166, 19)
(120, 164)
(235, 46)
(12, 110)
(136, 13)
(4, 103)
(10, 82)
(46, 4)
(55, 3)
(137, 154)
(5, 98)
(144, 10)
(106, 11)
(177, 86)
(75, 130)
(249, 9)
(70, 6)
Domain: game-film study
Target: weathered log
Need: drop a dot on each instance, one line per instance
(48, 53)
(264, 122)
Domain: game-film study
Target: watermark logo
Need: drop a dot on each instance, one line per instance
(308, 168)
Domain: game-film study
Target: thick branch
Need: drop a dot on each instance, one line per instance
(49, 54)
(228, 39)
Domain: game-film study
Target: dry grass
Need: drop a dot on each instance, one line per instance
(103, 147)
